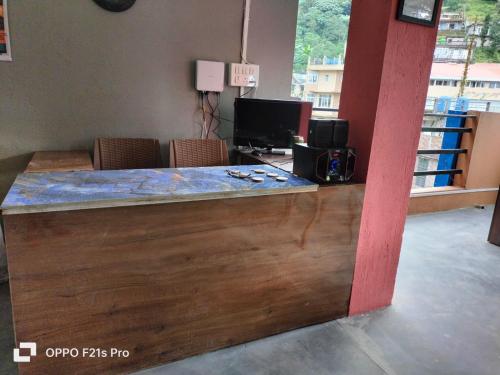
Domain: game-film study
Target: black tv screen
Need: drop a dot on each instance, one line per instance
(266, 123)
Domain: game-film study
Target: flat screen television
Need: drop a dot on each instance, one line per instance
(269, 123)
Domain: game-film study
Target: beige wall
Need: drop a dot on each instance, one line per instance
(484, 164)
(80, 72)
(329, 83)
(329, 79)
(445, 200)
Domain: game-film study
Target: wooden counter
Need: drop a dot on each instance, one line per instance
(170, 279)
(58, 191)
(60, 161)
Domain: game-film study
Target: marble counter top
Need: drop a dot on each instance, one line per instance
(62, 191)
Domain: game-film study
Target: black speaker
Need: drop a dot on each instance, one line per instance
(324, 165)
(328, 133)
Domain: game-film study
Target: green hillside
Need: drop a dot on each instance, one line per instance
(473, 9)
(486, 12)
(321, 30)
(322, 27)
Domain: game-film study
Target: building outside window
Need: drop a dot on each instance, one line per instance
(475, 84)
(310, 98)
(422, 165)
(325, 101)
(312, 77)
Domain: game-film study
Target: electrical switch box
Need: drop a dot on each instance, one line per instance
(210, 76)
(244, 75)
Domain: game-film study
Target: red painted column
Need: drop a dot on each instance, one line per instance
(387, 69)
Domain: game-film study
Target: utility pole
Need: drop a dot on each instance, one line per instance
(468, 60)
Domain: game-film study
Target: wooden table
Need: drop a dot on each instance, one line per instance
(60, 161)
(169, 263)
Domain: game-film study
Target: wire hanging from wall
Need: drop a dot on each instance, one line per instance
(201, 97)
(247, 92)
(211, 115)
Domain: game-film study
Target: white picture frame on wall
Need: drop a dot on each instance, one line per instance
(423, 12)
(5, 52)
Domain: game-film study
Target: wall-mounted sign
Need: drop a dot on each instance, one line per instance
(423, 12)
(5, 54)
(115, 5)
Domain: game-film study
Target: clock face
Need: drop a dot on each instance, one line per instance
(115, 5)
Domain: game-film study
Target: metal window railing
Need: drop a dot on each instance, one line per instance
(449, 151)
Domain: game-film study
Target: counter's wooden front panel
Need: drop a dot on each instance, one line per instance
(169, 281)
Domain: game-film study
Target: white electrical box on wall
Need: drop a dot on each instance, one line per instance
(210, 76)
(244, 75)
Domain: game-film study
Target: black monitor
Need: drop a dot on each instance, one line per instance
(266, 123)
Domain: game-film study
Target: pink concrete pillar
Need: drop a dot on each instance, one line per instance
(385, 83)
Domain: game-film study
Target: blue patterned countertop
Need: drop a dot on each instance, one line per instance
(62, 191)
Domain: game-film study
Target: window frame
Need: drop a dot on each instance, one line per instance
(325, 99)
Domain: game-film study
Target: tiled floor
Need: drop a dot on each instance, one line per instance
(445, 317)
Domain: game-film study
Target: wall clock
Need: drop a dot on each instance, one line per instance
(115, 5)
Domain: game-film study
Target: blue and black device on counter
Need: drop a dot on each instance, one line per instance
(326, 158)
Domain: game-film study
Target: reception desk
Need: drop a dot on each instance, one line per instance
(157, 265)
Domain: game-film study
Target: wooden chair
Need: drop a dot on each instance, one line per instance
(126, 153)
(198, 153)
